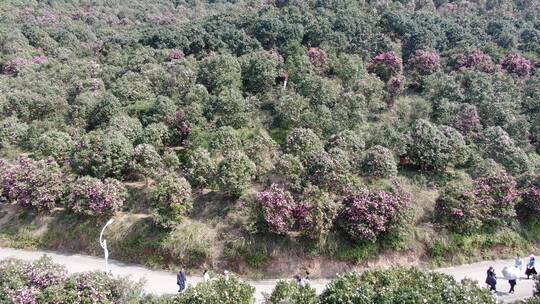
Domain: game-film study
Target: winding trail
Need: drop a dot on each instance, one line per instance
(163, 282)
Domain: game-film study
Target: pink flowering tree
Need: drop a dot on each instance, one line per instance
(315, 213)
(386, 65)
(15, 65)
(467, 119)
(367, 215)
(180, 127)
(517, 65)
(488, 203)
(476, 60)
(424, 62)
(93, 197)
(277, 209)
(319, 59)
(395, 87)
(34, 184)
(175, 55)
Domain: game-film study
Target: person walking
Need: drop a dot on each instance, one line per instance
(226, 275)
(298, 280)
(512, 283)
(518, 263)
(511, 273)
(181, 281)
(491, 279)
(206, 276)
(531, 267)
(307, 279)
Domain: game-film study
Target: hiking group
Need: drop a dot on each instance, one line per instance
(511, 273)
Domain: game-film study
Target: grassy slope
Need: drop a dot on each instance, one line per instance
(216, 235)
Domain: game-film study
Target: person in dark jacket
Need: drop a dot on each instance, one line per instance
(181, 281)
(491, 279)
(531, 267)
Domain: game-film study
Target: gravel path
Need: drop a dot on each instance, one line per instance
(163, 282)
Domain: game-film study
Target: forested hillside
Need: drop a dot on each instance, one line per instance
(244, 132)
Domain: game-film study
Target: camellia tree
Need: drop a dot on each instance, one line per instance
(235, 173)
(379, 162)
(403, 285)
(435, 147)
(40, 185)
(171, 200)
(386, 65)
(145, 161)
(93, 197)
(102, 154)
(277, 209)
(367, 215)
(489, 202)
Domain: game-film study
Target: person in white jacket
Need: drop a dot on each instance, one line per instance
(206, 276)
(518, 263)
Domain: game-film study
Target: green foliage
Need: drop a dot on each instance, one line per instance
(235, 173)
(435, 147)
(293, 293)
(102, 154)
(219, 290)
(56, 144)
(145, 160)
(259, 71)
(171, 200)
(379, 162)
(202, 168)
(402, 285)
(303, 143)
(219, 72)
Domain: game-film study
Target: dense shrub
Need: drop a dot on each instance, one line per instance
(145, 161)
(171, 200)
(529, 206)
(488, 203)
(303, 143)
(12, 131)
(292, 169)
(401, 285)
(367, 215)
(434, 148)
(262, 150)
(219, 290)
(102, 154)
(315, 213)
(424, 62)
(202, 168)
(93, 197)
(220, 71)
(293, 293)
(379, 162)
(516, 64)
(34, 184)
(278, 209)
(347, 140)
(386, 65)
(130, 127)
(497, 144)
(476, 60)
(235, 173)
(42, 281)
(56, 144)
(259, 72)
